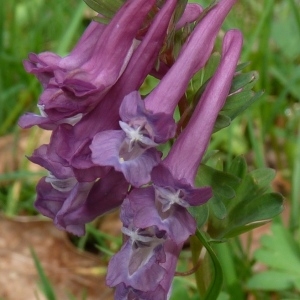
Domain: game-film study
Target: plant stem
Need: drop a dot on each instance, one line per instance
(225, 257)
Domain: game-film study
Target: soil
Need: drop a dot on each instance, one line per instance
(70, 271)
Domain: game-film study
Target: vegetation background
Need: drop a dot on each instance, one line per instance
(267, 134)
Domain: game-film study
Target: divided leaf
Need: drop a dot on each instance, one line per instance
(221, 183)
(281, 253)
(242, 201)
(240, 98)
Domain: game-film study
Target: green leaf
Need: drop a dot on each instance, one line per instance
(281, 253)
(238, 167)
(183, 288)
(200, 213)
(223, 296)
(101, 20)
(241, 201)
(221, 183)
(242, 80)
(255, 213)
(240, 97)
(221, 122)
(235, 101)
(201, 78)
(242, 66)
(272, 281)
(239, 102)
(218, 207)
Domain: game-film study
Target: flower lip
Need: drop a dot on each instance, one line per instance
(168, 197)
(143, 237)
(137, 135)
(61, 185)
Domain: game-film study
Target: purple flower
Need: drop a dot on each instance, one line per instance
(75, 84)
(43, 65)
(129, 293)
(182, 160)
(191, 12)
(161, 208)
(164, 205)
(72, 204)
(146, 263)
(132, 149)
(71, 195)
(72, 142)
(138, 260)
(193, 56)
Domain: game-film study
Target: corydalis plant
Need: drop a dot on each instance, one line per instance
(104, 150)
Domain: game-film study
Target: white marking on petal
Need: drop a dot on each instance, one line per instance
(134, 135)
(42, 110)
(71, 120)
(62, 185)
(136, 237)
(167, 198)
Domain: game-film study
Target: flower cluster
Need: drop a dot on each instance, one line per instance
(103, 149)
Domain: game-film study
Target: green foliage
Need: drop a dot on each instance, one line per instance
(183, 289)
(240, 98)
(242, 200)
(281, 253)
(241, 93)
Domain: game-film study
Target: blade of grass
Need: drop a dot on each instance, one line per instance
(295, 195)
(256, 142)
(68, 35)
(252, 40)
(45, 283)
(295, 10)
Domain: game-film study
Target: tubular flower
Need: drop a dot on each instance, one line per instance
(84, 195)
(70, 203)
(104, 148)
(206, 113)
(75, 84)
(132, 149)
(72, 143)
(164, 204)
(114, 148)
(145, 263)
(193, 56)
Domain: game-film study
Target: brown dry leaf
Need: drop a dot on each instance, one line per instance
(68, 269)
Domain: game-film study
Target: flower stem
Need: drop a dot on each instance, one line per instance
(215, 274)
